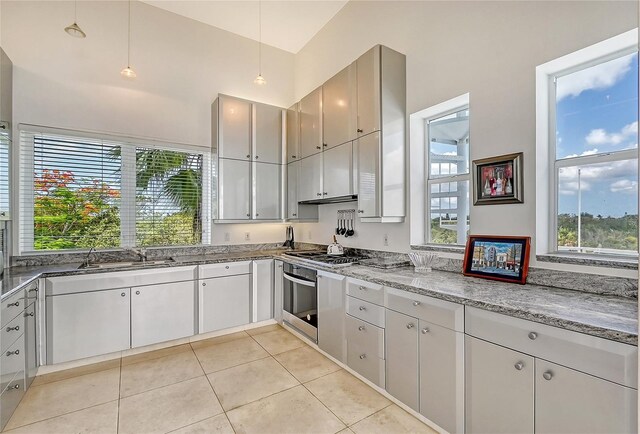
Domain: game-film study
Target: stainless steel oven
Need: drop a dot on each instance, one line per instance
(300, 299)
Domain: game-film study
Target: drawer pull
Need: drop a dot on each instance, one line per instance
(416, 303)
(226, 267)
(363, 356)
(15, 387)
(410, 325)
(519, 366)
(13, 353)
(425, 330)
(548, 375)
(362, 288)
(362, 308)
(361, 328)
(533, 336)
(11, 329)
(204, 283)
(29, 314)
(124, 294)
(137, 292)
(16, 304)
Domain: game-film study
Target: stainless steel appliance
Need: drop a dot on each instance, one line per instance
(289, 238)
(300, 299)
(325, 260)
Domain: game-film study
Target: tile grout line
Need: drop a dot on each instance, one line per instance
(375, 412)
(119, 398)
(75, 376)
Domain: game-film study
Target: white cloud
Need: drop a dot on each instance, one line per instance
(600, 136)
(602, 76)
(593, 151)
(625, 186)
(604, 173)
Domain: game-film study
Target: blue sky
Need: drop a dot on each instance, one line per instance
(597, 112)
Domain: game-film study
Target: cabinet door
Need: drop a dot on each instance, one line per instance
(87, 324)
(262, 276)
(337, 171)
(442, 376)
(268, 134)
(498, 389)
(338, 107)
(224, 302)
(369, 175)
(293, 133)
(569, 401)
(30, 343)
(292, 190)
(234, 189)
(331, 336)
(277, 291)
(234, 128)
(267, 191)
(368, 80)
(311, 123)
(310, 177)
(162, 312)
(401, 342)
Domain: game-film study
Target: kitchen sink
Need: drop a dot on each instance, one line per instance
(105, 265)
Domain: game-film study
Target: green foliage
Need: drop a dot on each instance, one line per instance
(620, 233)
(440, 235)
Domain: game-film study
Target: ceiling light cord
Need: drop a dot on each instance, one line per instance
(129, 38)
(260, 79)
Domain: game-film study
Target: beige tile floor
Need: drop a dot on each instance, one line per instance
(264, 380)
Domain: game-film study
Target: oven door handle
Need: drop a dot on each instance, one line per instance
(299, 281)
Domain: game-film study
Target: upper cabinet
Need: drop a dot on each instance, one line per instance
(368, 94)
(311, 123)
(293, 133)
(267, 135)
(6, 101)
(339, 108)
(234, 128)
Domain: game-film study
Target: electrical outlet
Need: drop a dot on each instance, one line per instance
(386, 239)
(309, 234)
(247, 236)
(227, 236)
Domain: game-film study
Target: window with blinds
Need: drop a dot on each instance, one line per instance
(79, 192)
(4, 173)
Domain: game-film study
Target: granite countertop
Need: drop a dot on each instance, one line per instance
(609, 317)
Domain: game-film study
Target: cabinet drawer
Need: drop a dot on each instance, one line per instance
(440, 312)
(365, 291)
(12, 361)
(12, 306)
(11, 331)
(366, 336)
(224, 269)
(11, 397)
(366, 311)
(366, 363)
(603, 358)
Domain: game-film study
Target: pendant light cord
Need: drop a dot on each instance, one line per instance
(260, 37)
(129, 38)
(75, 11)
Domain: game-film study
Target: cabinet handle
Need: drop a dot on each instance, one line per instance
(363, 288)
(359, 130)
(29, 314)
(318, 194)
(137, 292)
(548, 375)
(410, 325)
(533, 335)
(293, 156)
(3, 213)
(16, 304)
(425, 330)
(13, 353)
(11, 329)
(15, 387)
(324, 144)
(294, 214)
(124, 294)
(257, 215)
(363, 356)
(256, 157)
(325, 193)
(248, 156)
(519, 366)
(226, 267)
(318, 147)
(416, 303)
(362, 308)
(248, 215)
(360, 211)
(204, 284)
(361, 328)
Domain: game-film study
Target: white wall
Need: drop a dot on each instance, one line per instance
(181, 64)
(489, 49)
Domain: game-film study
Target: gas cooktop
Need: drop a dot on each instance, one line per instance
(321, 258)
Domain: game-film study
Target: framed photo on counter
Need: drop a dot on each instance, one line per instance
(497, 258)
(498, 180)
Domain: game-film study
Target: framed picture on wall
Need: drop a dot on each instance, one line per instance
(497, 258)
(498, 180)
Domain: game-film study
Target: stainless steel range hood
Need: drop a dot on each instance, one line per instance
(338, 199)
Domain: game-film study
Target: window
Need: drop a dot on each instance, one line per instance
(4, 171)
(79, 192)
(595, 156)
(448, 178)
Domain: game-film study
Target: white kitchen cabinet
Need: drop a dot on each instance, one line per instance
(368, 91)
(87, 324)
(568, 401)
(295, 211)
(369, 175)
(31, 342)
(331, 315)
(267, 133)
(267, 191)
(262, 286)
(233, 128)
(337, 165)
(401, 349)
(162, 312)
(277, 290)
(293, 133)
(310, 176)
(311, 123)
(339, 108)
(224, 302)
(234, 189)
(499, 385)
(442, 376)
(6, 122)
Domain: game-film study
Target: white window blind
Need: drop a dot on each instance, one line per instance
(82, 191)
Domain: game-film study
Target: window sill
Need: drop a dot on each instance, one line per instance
(628, 263)
(443, 248)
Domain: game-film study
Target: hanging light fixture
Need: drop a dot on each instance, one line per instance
(260, 79)
(74, 29)
(128, 72)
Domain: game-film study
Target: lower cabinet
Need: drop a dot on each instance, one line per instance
(87, 324)
(402, 357)
(331, 335)
(262, 286)
(30, 343)
(224, 302)
(162, 312)
(499, 389)
(277, 291)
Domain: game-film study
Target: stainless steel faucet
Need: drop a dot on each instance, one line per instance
(141, 253)
(87, 259)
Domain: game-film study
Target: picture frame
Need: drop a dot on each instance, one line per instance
(503, 258)
(498, 180)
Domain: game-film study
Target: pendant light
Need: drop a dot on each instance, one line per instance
(260, 79)
(74, 29)
(128, 72)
